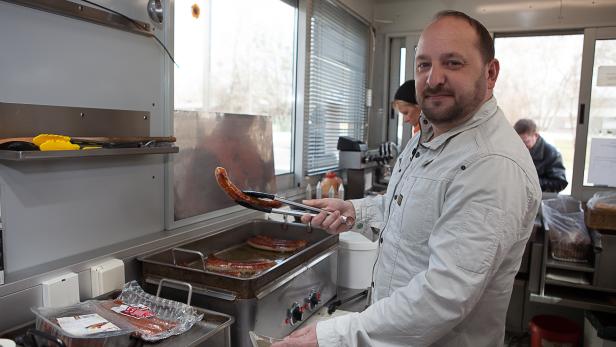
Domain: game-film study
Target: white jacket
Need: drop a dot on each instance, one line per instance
(455, 220)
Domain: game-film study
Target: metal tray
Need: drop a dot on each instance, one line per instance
(162, 265)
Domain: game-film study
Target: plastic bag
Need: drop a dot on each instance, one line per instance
(564, 219)
(603, 200)
(172, 317)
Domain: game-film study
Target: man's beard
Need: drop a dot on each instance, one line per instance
(461, 107)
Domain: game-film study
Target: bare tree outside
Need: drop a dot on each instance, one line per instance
(238, 56)
(540, 80)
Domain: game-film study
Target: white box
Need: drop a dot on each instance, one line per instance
(61, 291)
(591, 339)
(107, 277)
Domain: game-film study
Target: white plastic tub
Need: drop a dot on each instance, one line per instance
(356, 258)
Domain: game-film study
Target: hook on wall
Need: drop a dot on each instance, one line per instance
(155, 10)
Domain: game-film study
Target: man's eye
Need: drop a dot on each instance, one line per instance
(454, 63)
(423, 66)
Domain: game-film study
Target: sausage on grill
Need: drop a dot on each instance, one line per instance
(277, 245)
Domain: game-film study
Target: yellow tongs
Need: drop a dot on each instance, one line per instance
(296, 213)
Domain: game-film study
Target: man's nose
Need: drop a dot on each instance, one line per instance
(436, 76)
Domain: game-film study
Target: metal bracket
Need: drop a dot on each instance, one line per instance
(86, 13)
(190, 251)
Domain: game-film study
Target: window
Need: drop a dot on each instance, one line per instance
(536, 83)
(238, 56)
(602, 118)
(234, 57)
(336, 84)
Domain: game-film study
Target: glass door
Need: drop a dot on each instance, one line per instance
(595, 156)
(402, 68)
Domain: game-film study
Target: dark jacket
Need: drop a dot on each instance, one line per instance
(550, 168)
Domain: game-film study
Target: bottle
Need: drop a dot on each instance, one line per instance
(331, 193)
(319, 190)
(308, 191)
(341, 191)
(331, 180)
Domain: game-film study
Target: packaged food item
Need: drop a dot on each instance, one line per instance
(87, 323)
(568, 236)
(110, 322)
(601, 211)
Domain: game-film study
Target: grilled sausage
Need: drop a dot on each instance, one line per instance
(235, 267)
(237, 195)
(277, 245)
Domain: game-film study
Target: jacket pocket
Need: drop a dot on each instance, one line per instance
(478, 238)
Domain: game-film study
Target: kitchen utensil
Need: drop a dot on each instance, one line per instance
(296, 213)
(18, 146)
(15, 143)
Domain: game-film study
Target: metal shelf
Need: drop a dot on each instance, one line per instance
(557, 264)
(569, 284)
(100, 152)
(576, 298)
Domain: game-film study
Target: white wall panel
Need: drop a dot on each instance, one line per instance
(63, 207)
(49, 59)
(364, 8)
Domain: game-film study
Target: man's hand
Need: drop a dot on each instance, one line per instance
(304, 337)
(333, 222)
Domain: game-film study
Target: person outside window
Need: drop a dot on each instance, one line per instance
(547, 159)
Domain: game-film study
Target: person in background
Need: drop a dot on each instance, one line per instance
(405, 102)
(547, 159)
(457, 214)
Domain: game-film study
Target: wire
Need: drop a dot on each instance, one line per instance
(142, 27)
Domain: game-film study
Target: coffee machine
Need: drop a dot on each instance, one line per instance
(366, 168)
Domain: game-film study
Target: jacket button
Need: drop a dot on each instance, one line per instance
(463, 167)
(417, 155)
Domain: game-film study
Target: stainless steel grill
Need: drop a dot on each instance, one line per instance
(273, 302)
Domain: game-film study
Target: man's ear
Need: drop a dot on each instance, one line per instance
(492, 73)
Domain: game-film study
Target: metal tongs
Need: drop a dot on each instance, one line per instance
(296, 213)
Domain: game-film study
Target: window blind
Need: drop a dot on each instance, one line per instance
(336, 84)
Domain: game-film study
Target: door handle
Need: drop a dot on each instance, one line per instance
(581, 114)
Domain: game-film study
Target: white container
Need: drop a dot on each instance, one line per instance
(356, 258)
(591, 336)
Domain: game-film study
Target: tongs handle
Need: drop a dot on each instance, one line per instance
(254, 207)
(261, 195)
(293, 213)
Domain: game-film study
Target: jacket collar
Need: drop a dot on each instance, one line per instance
(537, 151)
(485, 112)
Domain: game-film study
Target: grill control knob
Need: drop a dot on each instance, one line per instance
(314, 299)
(294, 314)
